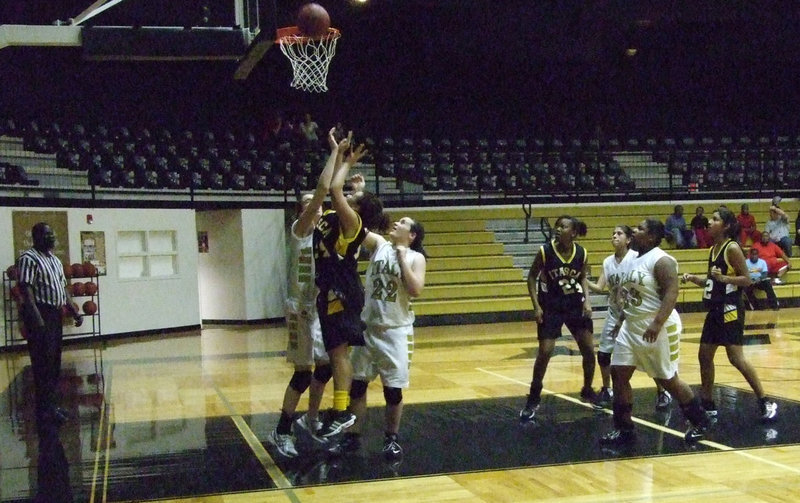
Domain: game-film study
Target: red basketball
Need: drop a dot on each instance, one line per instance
(78, 289)
(12, 272)
(89, 269)
(67, 271)
(89, 307)
(313, 20)
(77, 270)
(90, 288)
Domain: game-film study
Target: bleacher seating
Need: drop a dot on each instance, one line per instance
(157, 157)
(479, 270)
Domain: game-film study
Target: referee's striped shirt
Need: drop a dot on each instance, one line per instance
(44, 275)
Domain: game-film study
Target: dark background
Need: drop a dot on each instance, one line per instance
(446, 68)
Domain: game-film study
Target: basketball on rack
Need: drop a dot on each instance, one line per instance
(78, 289)
(77, 270)
(12, 272)
(90, 288)
(89, 269)
(313, 20)
(89, 307)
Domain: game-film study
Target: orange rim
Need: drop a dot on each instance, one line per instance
(292, 34)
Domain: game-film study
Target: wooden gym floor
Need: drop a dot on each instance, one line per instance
(185, 418)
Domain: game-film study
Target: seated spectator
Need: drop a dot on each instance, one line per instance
(747, 222)
(677, 232)
(699, 225)
(777, 261)
(759, 275)
(778, 228)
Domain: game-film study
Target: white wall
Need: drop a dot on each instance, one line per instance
(264, 238)
(243, 275)
(131, 305)
(220, 272)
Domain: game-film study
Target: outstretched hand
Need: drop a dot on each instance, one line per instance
(357, 182)
(356, 154)
(345, 143)
(332, 143)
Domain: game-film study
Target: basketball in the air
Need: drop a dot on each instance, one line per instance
(89, 307)
(313, 20)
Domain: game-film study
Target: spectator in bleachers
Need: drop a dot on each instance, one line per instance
(778, 229)
(759, 275)
(678, 233)
(747, 222)
(309, 129)
(699, 225)
(777, 261)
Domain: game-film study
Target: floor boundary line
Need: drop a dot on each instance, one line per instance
(269, 465)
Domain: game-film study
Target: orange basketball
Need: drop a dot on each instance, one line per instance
(89, 269)
(313, 20)
(67, 271)
(78, 289)
(77, 270)
(90, 288)
(12, 272)
(89, 307)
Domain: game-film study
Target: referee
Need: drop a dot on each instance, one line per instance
(43, 285)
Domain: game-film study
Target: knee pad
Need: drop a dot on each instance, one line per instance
(393, 396)
(323, 373)
(357, 389)
(300, 381)
(603, 359)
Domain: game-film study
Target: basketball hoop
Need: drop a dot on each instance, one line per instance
(310, 56)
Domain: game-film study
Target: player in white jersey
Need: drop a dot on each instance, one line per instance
(396, 274)
(613, 265)
(649, 335)
(305, 348)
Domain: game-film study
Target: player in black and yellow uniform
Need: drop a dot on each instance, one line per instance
(557, 284)
(724, 325)
(337, 238)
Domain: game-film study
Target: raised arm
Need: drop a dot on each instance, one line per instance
(413, 273)
(305, 223)
(349, 220)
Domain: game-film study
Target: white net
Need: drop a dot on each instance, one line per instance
(310, 58)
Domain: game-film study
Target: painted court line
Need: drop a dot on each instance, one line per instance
(258, 449)
(655, 426)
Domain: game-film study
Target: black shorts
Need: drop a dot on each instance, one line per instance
(552, 321)
(344, 327)
(724, 326)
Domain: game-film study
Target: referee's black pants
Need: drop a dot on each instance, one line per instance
(44, 347)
